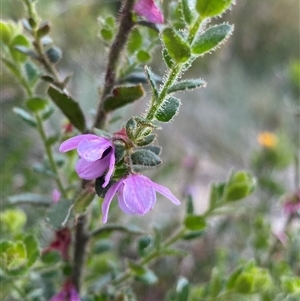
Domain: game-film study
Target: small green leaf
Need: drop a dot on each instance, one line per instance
(135, 41)
(48, 79)
(239, 186)
(4, 245)
(144, 141)
(52, 140)
(215, 285)
(19, 40)
(145, 157)
(47, 113)
(148, 277)
(145, 244)
(154, 149)
(189, 235)
(110, 21)
(167, 58)
(168, 109)
(106, 34)
(216, 195)
(186, 11)
(69, 107)
(30, 198)
(27, 117)
(43, 30)
(12, 220)
(51, 257)
(122, 96)
(119, 152)
(32, 249)
(26, 51)
(26, 25)
(177, 48)
(32, 73)
(190, 205)
(11, 67)
(143, 56)
(244, 283)
(54, 54)
(152, 81)
(195, 222)
(188, 84)
(36, 104)
(183, 289)
(58, 213)
(138, 270)
(232, 277)
(131, 128)
(212, 38)
(212, 8)
(6, 31)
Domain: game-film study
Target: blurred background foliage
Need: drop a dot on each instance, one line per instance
(249, 91)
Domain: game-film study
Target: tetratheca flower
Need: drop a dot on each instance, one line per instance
(68, 293)
(96, 154)
(148, 9)
(56, 195)
(292, 204)
(136, 195)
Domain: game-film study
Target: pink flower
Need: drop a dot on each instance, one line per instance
(148, 9)
(96, 156)
(136, 195)
(292, 204)
(68, 293)
(56, 195)
(61, 243)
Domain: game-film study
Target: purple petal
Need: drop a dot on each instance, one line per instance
(61, 296)
(164, 191)
(73, 142)
(91, 170)
(108, 198)
(138, 195)
(121, 202)
(93, 149)
(111, 167)
(74, 295)
(148, 9)
(56, 195)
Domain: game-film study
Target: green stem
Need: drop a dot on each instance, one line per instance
(151, 256)
(175, 71)
(194, 30)
(49, 154)
(31, 9)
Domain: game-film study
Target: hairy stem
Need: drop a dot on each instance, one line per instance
(116, 49)
(81, 240)
(174, 73)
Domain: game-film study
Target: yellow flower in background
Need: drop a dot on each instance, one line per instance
(267, 139)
